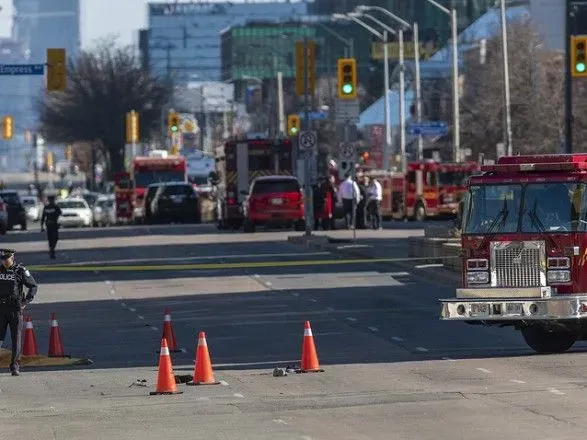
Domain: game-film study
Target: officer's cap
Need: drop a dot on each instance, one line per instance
(6, 253)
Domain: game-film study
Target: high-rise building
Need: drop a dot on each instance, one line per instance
(184, 38)
(37, 26)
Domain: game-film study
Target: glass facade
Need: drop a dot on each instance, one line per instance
(37, 25)
(184, 38)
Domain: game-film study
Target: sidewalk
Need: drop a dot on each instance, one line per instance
(383, 244)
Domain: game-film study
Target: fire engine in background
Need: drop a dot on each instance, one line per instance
(524, 247)
(145, 170)
(428, 189)
(199, 167)
(238, 163)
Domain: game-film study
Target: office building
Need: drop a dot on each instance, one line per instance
(184, 38)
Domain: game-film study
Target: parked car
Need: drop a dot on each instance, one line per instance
(75, 212)
(176, 202)
(32, 207)
(15, 208)
(104, 211)
(149, 196)
(274, 200)
(3, 217)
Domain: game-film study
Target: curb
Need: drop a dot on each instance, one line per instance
(333, 245)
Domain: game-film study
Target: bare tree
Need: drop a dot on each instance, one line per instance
(536, 90)
(103, 85)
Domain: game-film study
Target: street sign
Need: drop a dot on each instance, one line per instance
(348, 152)
(428, 128)
(314, 116)
(22, 69)
(347, 110)
(308, 140)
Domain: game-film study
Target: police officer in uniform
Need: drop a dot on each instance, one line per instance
(13, 301)
(51, 213)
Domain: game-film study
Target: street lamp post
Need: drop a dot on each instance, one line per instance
(383, 36)
(415, 31)
(452, 13)
(506, 79)
(349, 50)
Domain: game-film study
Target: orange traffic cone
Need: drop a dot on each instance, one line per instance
(310, 362)
(30, 347)
(168, 332)
(55, 344)
(166, 378)
(203, 374)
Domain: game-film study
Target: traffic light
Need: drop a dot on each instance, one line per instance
(305, 65)
(579, 56)
(56, 70)
(173, 122)
(7, 128)
(293, 125)
(347, 78)
(364, 158)
(132, 127)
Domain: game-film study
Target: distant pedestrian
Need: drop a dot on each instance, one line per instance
(13, 279)
(50, 221)
(375, 197)
(349, 196)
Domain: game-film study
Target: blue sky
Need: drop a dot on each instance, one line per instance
(97, 19)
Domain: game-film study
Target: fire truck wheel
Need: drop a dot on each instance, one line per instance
(419, 212)
(541, 340)
(249, 226)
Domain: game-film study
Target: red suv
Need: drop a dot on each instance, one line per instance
(274, 200)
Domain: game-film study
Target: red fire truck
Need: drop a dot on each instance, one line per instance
(428, 189)
(524, 247)
(239, 162)
(143, 172)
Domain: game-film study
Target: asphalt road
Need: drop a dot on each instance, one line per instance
(393, 370)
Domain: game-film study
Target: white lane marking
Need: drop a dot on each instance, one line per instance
(517, 381)
(425, 266)
(280, 421)
(238, 395)
(373, 329)
(295, 294)
(224, 383)
(555, 391)
(154, 328)
(132, 310)
(351, 319)
(330, 309)
(313, 300)
(421, 349)
(398, 274)
(484, 370)
(140, 317)
(446, 358)
(397, 339)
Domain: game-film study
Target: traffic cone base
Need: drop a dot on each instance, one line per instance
(310, 363)
(165, 377)
(203, 374)
(30, 347)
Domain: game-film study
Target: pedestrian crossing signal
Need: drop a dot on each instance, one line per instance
(293, 125)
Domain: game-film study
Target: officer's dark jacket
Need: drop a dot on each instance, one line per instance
(12, 282)
(51, 213)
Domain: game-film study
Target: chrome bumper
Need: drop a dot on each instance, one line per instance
(515, 309)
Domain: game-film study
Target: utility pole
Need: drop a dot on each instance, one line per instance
(308, 155)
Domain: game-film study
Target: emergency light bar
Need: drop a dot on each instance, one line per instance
(529, 167)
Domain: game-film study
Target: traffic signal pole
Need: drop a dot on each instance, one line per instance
(568, 82)
(308, 196)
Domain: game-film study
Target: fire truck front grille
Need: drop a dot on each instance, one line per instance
(518, 264)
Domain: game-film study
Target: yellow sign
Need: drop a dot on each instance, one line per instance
(393, 51)
(56, 70)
